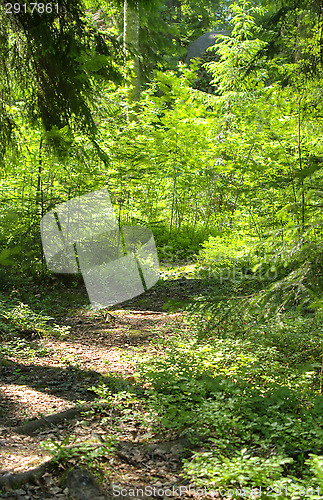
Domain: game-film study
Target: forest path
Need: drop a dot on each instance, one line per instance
(43, 386)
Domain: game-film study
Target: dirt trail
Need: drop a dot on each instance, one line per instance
(50, 384)
(32, 389)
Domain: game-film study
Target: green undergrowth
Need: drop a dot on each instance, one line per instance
(21, 328)
(253, 404)
(255, 400)
(86, 453)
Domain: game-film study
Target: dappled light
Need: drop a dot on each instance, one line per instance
(161, 250)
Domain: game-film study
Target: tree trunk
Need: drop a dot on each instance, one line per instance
(131, 51)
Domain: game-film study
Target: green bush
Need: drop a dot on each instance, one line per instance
(220, 256)
(20, 325)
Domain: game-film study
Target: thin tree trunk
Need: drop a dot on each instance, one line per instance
(40, 196)
(39, 192)
(240, 183)
(300, 166)
(173, 205)
(131, 52)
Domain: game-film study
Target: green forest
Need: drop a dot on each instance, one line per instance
(203, 120)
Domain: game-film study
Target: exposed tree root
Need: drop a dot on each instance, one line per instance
(13, 480)
(80, 482)
(123, 449)
(30, 427)
(16, 479)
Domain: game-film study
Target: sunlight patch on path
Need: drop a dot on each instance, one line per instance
(31, 403)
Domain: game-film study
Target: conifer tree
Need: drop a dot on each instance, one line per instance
(50, 61)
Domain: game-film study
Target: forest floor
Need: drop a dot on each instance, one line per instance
(63, 378)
